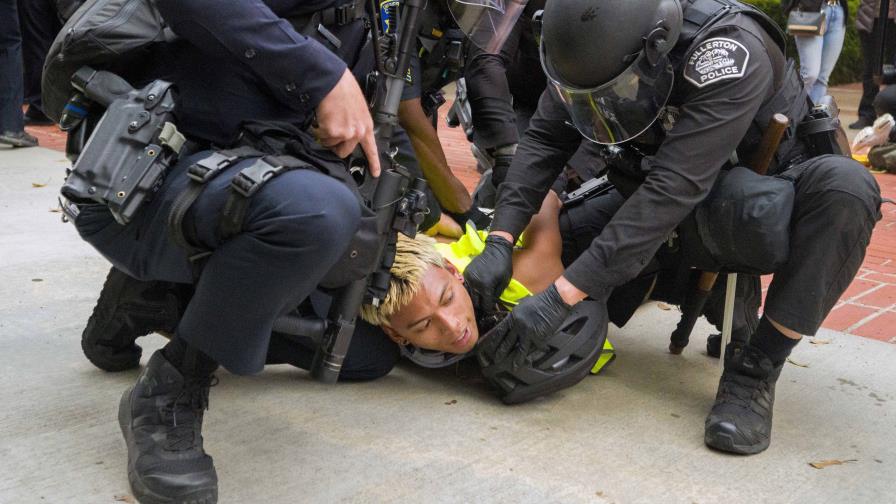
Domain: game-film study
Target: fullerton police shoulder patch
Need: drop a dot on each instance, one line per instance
(714, 60)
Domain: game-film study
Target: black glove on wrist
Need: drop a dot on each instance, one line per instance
(527, 329)
(489, 274)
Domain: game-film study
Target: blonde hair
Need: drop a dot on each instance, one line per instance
(413, 256)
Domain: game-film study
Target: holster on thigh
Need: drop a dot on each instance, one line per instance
(743, 225)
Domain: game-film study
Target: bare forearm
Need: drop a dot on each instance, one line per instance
(448, 189)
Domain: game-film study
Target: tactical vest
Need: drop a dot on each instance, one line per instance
(790, 98)
(442, 50)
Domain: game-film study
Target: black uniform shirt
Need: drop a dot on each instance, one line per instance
(717, 94)
(239, 60)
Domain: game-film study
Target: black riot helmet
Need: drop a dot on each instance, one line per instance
(608, 60)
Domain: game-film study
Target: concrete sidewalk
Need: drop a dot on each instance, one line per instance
(633, 434)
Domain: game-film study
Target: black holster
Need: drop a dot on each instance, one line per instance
(125, 160)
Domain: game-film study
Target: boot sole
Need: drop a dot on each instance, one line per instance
(725, 443)
(141, 492)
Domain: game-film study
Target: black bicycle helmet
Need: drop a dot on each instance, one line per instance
(572, 352)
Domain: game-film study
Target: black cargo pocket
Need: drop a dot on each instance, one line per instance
(744, 223)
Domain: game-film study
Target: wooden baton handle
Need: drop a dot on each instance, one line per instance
(769, 143)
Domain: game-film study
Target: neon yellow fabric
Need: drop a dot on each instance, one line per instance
(607, 355)
(470, 245)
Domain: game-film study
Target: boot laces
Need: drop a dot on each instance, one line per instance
(183, 412)
(743, 390)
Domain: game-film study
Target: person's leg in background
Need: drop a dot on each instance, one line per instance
(12, 126)
(869, 87)
(830, 50)
(40, 24)
(809, 49)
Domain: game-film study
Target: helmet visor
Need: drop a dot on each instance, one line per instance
(487, 23)
(620, 109)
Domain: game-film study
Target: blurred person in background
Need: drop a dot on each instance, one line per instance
(869, 36)
(39, 21)
(12, 125)
(819, 53)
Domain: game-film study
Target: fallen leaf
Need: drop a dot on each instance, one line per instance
(37, 279)
(125, 498)
(449, 403)
(818, 341)
(795, 363)
(37, 184)
(664, 306)
(55, 210)
(821, 464)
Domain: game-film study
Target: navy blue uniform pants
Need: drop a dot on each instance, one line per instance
(10, 68)
(40, 24)
(297, 226)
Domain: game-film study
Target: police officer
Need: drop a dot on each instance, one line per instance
(232, 62)
(689, 86)
(503, 88)
(435, 64)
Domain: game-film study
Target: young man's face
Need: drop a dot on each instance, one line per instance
(440, 317)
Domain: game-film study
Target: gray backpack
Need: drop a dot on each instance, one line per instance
(102, 34)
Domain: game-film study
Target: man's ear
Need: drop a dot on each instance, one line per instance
(454, 271)
(393, 335)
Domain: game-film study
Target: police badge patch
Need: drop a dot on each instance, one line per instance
(716, 59)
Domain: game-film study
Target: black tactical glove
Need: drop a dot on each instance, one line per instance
(489, 274)
(526, 329)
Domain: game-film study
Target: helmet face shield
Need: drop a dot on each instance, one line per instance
(622, 108)
(487, 23)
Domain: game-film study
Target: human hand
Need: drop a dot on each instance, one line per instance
(343, 122)
(445, 227)
(489, 274)
(526, 329)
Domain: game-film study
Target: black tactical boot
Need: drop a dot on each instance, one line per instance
(161, 419)
(127, 309)
(741, 418)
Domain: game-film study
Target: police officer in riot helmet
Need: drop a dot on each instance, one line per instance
(689, 87)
